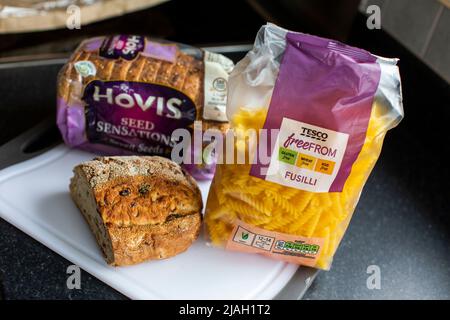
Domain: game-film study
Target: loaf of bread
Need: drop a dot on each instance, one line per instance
(126, 94)
(139, 208)
(184, 74)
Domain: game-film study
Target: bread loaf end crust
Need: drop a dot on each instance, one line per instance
(133, 225)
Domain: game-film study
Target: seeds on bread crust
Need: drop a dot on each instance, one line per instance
(138, 198)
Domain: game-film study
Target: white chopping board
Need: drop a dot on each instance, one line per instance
(34, 197)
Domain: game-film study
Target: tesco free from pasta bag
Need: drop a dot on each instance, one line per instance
(321, 110)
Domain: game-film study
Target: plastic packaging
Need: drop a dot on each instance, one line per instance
(331, 106)
(127, 94)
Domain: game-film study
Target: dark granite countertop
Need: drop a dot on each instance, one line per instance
(401, 224)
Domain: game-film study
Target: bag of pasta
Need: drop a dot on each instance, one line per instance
(309, 116)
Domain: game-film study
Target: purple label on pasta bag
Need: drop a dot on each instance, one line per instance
(122, 46)
(321, 104)
(139, 117)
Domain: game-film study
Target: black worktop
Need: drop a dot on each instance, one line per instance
(401, 224)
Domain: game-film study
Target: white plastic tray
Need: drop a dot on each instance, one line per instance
(34, 197)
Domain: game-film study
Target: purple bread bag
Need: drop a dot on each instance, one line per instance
(127, 94)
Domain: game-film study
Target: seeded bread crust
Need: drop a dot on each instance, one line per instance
(139, 208)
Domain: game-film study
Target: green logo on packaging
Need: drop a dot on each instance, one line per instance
(244, 236)
(287, 156)
(297, 247)
(85, 68)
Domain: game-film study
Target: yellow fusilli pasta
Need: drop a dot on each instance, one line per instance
(237, 195)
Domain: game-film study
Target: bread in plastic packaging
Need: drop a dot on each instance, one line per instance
(126, 94)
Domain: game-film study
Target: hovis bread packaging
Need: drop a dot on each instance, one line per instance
(126, 94)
